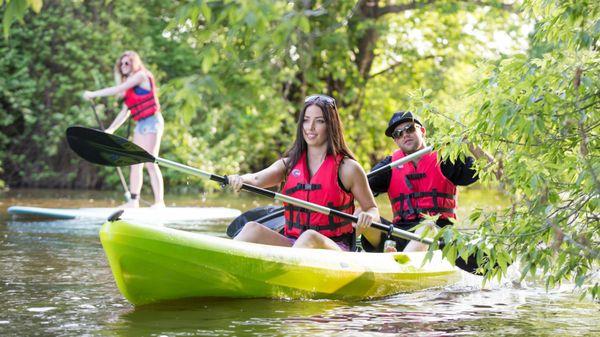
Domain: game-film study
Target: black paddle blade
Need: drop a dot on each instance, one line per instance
(270, 216)
(105, 149)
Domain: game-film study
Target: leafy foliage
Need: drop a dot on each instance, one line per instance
(45, 66)
(261, 58)
(539, 113)
(15, 10)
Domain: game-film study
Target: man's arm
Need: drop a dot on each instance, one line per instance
(460, 173)
(380, 182)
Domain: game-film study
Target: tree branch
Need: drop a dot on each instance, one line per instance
(508, 7)
(401, 8)
(413, 5)
(395, 65)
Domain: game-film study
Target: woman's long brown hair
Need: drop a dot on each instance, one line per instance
(335, 133)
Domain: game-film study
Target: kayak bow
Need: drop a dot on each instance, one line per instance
(154, 263)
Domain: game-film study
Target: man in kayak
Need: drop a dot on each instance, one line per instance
(318, 168)
(424, 186)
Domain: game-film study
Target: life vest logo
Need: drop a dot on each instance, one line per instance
(296, 172)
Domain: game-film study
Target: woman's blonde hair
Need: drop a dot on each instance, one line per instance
(136, 65)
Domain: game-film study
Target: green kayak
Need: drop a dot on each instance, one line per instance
(155, 263)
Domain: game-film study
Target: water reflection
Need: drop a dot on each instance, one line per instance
(55, 281)
(56, 228)
(428, 313)
(218, 317)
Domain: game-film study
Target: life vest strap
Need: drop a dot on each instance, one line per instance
(293, 208)
(341, 207)
(404, 213)
(303, 187)
(333, 225)
(415, 176)
(148, 99)
(140, 111)
(415, 195)
(329, 227)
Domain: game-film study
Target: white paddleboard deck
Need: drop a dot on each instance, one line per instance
(163, 215)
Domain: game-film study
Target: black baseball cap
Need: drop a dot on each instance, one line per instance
(399, 118)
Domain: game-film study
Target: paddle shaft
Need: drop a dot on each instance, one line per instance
(389, 166)
(119, 172)
(291, 200)
(401, 161)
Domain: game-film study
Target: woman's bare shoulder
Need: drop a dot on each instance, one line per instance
(350, 169)
(349, 164)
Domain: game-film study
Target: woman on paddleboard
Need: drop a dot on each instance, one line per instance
(318, 168)
(138, 88)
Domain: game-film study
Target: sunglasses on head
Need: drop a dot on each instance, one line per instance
(322, 98)
(398, 133)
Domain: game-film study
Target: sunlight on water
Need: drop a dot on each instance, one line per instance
(55, 280)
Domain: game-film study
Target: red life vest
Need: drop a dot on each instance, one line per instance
(322, 189)
(144, 105)
(421, 188)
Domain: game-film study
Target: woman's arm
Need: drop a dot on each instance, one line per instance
(355, 180)
(131, 82)
(119, 120)
(269, 177)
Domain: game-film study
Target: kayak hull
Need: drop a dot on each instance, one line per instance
(154, 263)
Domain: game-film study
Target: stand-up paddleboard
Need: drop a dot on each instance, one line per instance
(164, 215)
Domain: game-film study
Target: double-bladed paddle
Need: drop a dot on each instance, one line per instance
(110, 150)
(236, 226)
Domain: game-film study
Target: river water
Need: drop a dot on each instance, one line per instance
(55, 281)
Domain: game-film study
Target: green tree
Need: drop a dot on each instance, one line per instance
(235, 73)
(261, 58)
(14, 10)
(50, 59)
(539, 112)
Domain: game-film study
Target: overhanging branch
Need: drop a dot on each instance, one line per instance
(395, 65)
(381, 11)
(401, 8)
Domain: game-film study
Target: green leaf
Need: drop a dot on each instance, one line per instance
(206, 11)
(484, 106)
(36, 5)
(304, 24)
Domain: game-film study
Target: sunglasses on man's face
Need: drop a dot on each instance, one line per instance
(323, 98)
(398, 133)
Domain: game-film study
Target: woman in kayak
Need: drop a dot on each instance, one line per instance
(138, 88)
(318, 168)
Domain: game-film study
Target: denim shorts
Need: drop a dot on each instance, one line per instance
(152, 124)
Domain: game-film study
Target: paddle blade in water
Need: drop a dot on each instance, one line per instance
(105, 149)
